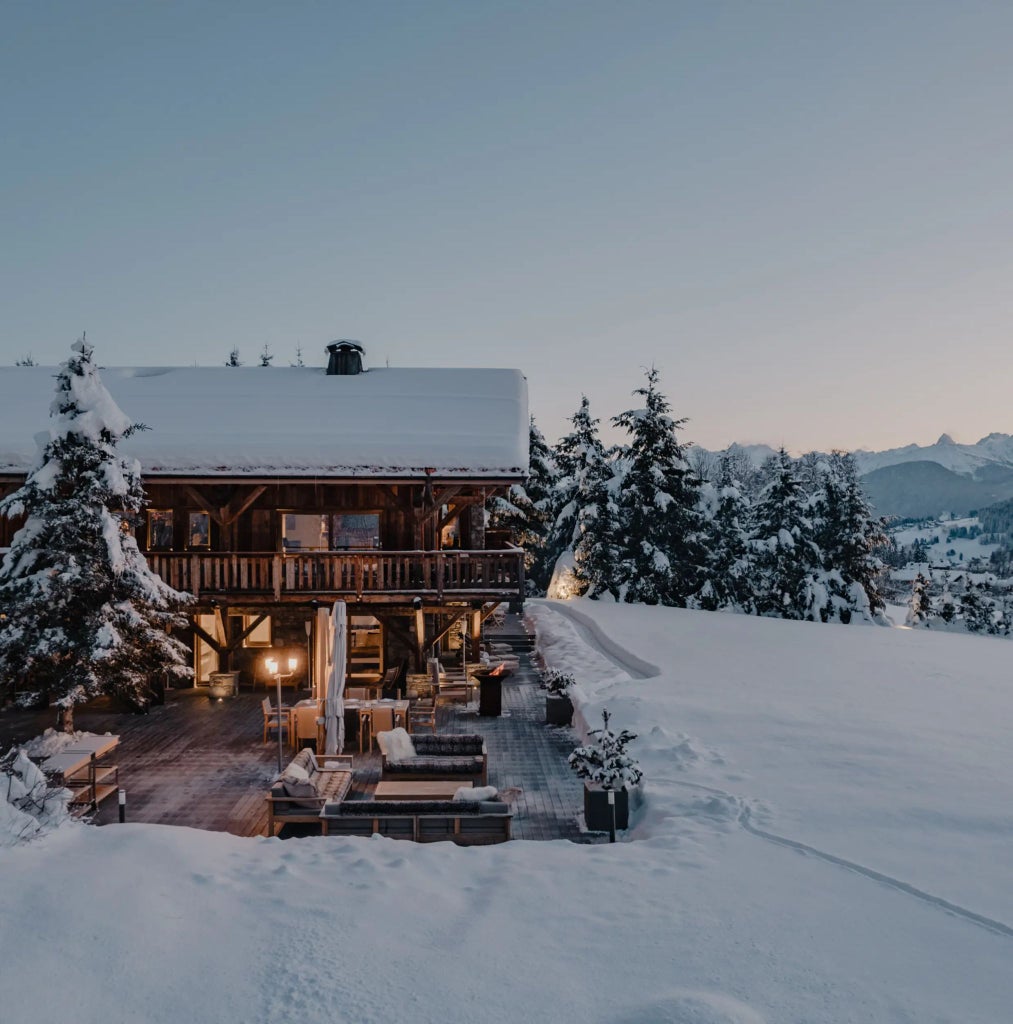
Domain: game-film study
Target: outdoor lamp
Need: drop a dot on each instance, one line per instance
(273, 666)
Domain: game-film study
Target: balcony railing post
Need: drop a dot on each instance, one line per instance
(276, 570)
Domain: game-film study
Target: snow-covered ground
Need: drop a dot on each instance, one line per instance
(824, 837)
(964, 549)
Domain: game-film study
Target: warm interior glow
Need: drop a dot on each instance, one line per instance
(272, 665)
(292, 662)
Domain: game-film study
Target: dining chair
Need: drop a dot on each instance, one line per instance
(274, 718)
(307, 726)
(422, 714)
(357, 693)
(382, 720)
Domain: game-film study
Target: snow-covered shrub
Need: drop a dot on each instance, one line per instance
(558, 683)
(29, 805)
(604, 760)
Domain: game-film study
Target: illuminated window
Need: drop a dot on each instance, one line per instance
(304, 532)
(199, 530)
(357, 530)
(160, 529)
(261, 635)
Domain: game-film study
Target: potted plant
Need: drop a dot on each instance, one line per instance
(606, 767)
(558, 705)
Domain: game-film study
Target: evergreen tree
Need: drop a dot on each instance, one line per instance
(596, 547)
(527, 511)
(266, 355)
(728, 570)
(234, 359)
(661, 547)
(790, 579)
(298, 357)
(919, 611)
(847, 534)
(572, 455)
(978, 609)
(84, 614)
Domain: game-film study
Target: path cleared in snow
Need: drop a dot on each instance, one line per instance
(593, 634)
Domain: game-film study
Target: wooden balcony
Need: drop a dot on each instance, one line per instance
(380, 576)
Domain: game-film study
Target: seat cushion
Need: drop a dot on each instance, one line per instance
(445, 765)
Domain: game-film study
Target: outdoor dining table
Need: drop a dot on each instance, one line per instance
(364, 712)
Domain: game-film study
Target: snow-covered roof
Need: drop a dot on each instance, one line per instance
(294, 421)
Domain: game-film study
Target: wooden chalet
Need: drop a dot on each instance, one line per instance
(275, 491)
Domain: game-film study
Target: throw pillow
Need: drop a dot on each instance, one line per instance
(475, 794)
(296, 771)
(300, 789)
(399, 745)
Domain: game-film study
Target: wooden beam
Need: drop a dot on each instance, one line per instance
(201, 501)
(225, 515)
(420, 633)
(486, 612)
(207, 638)
(441, 496)
(236, 641)
(239, 503)
(432, 641)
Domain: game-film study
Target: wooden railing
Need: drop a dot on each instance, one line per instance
(432, 573)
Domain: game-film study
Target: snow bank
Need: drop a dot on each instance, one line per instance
(887, 749)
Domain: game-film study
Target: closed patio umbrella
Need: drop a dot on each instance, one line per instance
(334, 708)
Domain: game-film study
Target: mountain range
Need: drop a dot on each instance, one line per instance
(919, 481)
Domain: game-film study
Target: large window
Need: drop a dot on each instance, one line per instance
(160, 529)
(305, 532)
(342, 531)
(357, 530)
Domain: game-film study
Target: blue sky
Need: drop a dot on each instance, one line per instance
(800, 212)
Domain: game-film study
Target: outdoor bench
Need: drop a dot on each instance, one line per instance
(290, 801)
(423, 821)
(441, 757)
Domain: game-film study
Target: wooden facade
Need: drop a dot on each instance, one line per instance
(424, 568)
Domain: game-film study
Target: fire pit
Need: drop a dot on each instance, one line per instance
(490, 690)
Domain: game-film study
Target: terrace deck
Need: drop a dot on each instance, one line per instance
(202, 763)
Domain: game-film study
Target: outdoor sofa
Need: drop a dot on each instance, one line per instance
(465, 823)
(433, 757)
(294, 798)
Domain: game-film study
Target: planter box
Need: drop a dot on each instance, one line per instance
(558, 710)
(597, 813)
(223, 684)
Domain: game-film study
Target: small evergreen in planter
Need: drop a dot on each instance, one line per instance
(558, 705)
(605, 766)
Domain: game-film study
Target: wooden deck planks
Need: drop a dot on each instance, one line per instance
(203, 764)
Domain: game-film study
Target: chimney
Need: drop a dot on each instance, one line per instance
(344, 358)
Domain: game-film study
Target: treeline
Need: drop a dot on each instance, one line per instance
(962, 602)
(645, 523)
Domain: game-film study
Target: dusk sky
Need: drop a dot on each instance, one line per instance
(802, 213)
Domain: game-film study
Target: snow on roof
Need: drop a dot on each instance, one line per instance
(294, 421)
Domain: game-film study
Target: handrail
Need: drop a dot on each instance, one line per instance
(341, 572)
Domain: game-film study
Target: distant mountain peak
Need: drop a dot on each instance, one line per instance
(945, 439)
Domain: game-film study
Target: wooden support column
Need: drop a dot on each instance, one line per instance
(420, 636)
(475, 628)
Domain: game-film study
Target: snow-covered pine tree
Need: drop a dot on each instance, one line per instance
(266, 355)
(234, 359)
(661, 526)
(84, 614)
(919, 608)
(728, 570)
(526, 511)
(596, 548)
(790, 580)
(572, 454)
(847, 534)
(978, 609)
